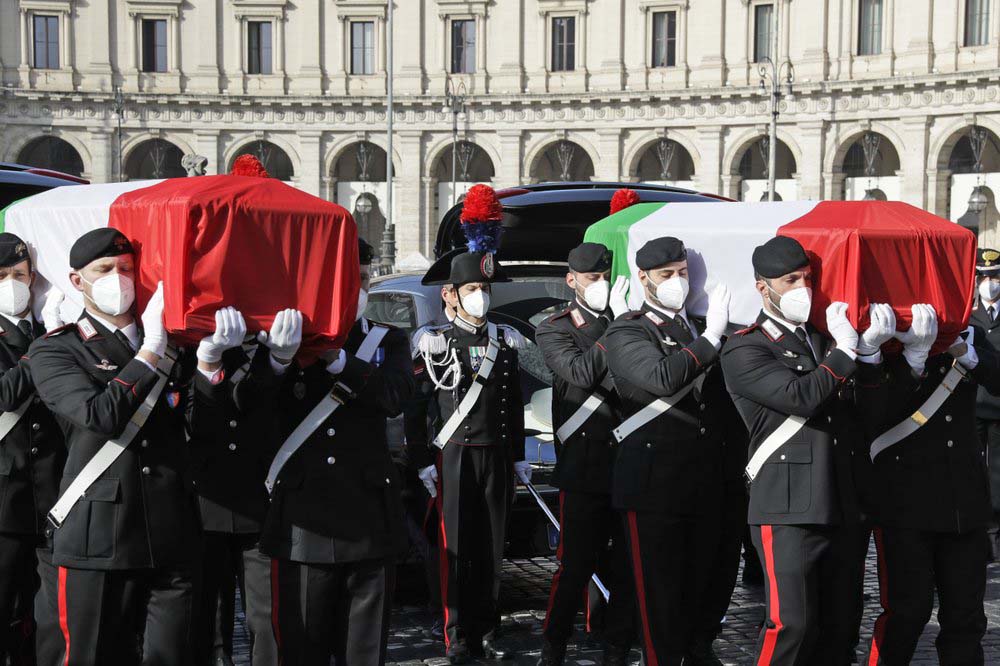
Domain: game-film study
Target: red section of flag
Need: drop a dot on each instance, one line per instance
(888, 252)
(256, 244)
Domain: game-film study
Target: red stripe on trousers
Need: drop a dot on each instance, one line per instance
(443, 553)
(275, 623)
(883, 596)
(774, 607)
(640, 588)
(559, 555)
(64, 613)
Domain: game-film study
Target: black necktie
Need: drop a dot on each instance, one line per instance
(992, 312)
(684, 327)
(800, 333)
(25, 327)
(122, 338)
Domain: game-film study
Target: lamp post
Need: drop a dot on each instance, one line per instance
(389, 233)
(454, 102)
(778, 75)
(978, 201)
(118, 105)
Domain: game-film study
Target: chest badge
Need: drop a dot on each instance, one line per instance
(790, 354)
(476, 356)
(670, 342)
(106, 365)
(299, 390)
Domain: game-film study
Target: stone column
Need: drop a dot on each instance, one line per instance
(914, 161)
(103, 156)
(811, 138)
(939, 192)
(432, 217)
(207, 145)
(508, 172)
(312, 160)
(708, 174)
(409, 216)
(609, 148)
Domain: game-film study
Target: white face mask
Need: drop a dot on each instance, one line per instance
(14, 297)
(989, 290)
(672, 292)
(362, 304)
(795, 304)
(112, 294)
(596, 295)
(476, 304)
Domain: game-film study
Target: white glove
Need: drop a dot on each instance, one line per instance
(522, 470)
(917, 341)
(968, 358)
(881, 330)
(285, 336)
(429, 476)
(51, 311)
(230, 329)
(618, 301)
(154, 334)
(717, 317)
(840, 328)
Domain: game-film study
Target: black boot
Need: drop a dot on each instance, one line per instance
(615, 655)
(458, 653)
(552, 654)
(701, 654)
(494, 648)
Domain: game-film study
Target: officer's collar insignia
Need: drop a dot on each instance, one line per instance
(476, 356)
(87, 329)
(790, 354)
(299, 390)
(653, 317)
(772, 330)
(669, 341)
(105, 364)
(466, 326)
(577, 318)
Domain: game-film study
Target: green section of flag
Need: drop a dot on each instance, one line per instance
(612, 232)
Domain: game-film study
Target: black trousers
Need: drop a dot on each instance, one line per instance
(989, 437)
(911, 565)
(587, 522)
(125, 617)
(671, 563)
(228, 561)
(811, 592)
(322, 611)
(49, 644)
(475, 492)
(17, 588)
(724, 564)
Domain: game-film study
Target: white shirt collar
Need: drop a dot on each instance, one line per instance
(584, 307)
(787, 324)
(18, 320)
(682, 312)
(131, 331)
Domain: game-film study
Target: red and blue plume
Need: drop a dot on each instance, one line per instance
(622, 199)
(248, 165)
(481, 217)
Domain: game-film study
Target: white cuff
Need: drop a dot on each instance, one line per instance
(213, 377)
(853, 355)
(337, 366)
(146, 363)
(872, 359)
(278, 367)
(711, 337)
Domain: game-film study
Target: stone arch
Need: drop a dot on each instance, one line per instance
(639, 147)
(130, 143)
(51, 152)
(440, 151)
(152, 158)
(745, 140)
(346, 168)
(335, 151)
(536, 150)
(944, 142)
(480, 168)
(583, 163)
(846, 136)
(29, 134)
(245, 145)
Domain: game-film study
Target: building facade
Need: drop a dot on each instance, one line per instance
(889, 98)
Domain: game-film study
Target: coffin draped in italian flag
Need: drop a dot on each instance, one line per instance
(862, 252)
(253, 243)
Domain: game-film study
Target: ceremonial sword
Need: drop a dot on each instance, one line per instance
(552, 519)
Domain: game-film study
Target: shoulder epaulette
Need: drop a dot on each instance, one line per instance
(632, 315)
(771, 330)
(59, 331)
(430, 340)
(748, 329)
(560, 315)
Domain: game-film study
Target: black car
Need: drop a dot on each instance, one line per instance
(18, 181)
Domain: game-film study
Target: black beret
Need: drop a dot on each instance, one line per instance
(779, 256)
(590, 258)
(365, 252)
(13, 250)
(97, 244)
(659, 252)
(987, 260)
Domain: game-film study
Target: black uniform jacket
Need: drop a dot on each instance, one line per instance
(674, 463)
(497, 419)
(32, 455)
(987, 406)
(568, 341)
(935, 479)
(338, 498)
(772, 375)
(141, 512)
(234, 436)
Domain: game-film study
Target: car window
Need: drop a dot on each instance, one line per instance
(11, 192)
(392, 308)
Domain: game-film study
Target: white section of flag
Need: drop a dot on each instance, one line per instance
(50, 222)
(720, 239)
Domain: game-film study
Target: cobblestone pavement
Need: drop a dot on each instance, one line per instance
(526, 587)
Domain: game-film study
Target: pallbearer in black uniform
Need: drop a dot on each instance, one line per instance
(584, 410)
(668, 475)
(986, 315)
(233, 440)
(32, 454)
(786, 380)
(933, 502)
(479, 440)
(125, 528)
(335, 526)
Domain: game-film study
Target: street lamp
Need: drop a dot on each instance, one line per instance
(979, 200)
(780, 77)
(454, 102)
(118, 106)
